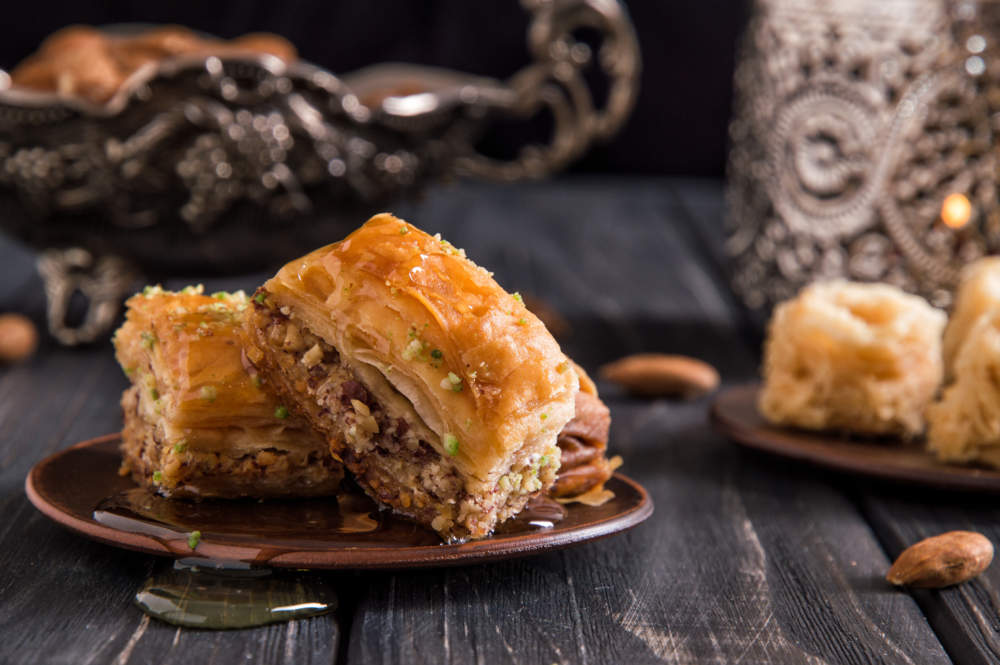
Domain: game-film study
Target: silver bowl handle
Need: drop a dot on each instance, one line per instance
(555, 80)
(102, 283)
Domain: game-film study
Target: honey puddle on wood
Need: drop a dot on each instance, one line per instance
(223, 595)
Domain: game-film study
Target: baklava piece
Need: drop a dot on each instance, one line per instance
(198, 421)
(978, 293)
(964, 426)
(440, 391)
(863, 358)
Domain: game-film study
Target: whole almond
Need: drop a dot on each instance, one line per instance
(661, 375)
(18, 338)
(943, 560)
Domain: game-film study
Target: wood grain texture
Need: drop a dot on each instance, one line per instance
(965, 616)
(53, 583)
(747, 559)
(739, 563)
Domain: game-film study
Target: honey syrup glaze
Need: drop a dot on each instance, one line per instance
(349, 519)
(288, 525)
(81, 489)
(209, 594)
(200, 593)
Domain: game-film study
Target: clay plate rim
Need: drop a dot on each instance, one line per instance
(734, 414)
(348, 558)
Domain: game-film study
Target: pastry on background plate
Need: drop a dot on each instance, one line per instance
(964, 426)
(978, 293)
(863, 358)
(440, 391)
(198, 421)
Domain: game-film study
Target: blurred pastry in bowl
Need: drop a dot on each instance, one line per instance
(978, 293)
(443, 395)
(862, 358)
(91, 64)
(198, 421)
(964, 426)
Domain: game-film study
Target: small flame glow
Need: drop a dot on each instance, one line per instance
(956, 211)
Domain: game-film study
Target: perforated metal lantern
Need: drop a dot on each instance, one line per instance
(863, 145)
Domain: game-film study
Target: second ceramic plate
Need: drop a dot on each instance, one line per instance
(734, 413)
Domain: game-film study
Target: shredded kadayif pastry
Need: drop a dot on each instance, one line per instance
(964, 425)
(864, 358)
(978, 293)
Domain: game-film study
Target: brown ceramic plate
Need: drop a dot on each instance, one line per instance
(734, 413)
(80, 488)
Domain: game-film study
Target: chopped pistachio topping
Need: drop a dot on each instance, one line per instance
(517, 297)
(413, 349)
(180, 446)
(544, 416)
(448, 248)
(148, 339)
(256, 380)
(209, 393)
(194, 290)
(260, 298)
(281, 412)
(451, 444)
(455, 382)
(194, 539)
(436, 354)
(543, 461)
(522, 322)
(403, 230)
(129, 371)
(157, 477)
(154, 394)
(151, 290)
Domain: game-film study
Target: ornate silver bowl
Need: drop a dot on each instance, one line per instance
(209, 164)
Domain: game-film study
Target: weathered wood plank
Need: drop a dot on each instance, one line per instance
(739, 562)
(64, 599)
(743, 560)
(746, 558)
(966, 617)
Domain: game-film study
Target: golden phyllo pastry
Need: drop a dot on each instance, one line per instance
(439, 390)
(978, 293)
(198, 421)
(964, 425)
(863, 358)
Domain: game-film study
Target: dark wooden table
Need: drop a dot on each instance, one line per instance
(747, 559)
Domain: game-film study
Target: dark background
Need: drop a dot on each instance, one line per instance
(678, 126)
